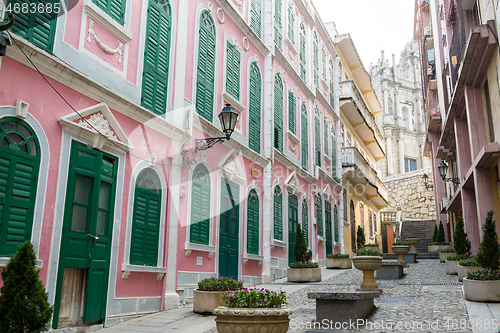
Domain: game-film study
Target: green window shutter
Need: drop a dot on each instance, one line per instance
(278, 113)
(114, 8)
(305, 221)
(278, 27)
(19, 166)
(233, 71)
(317, 137)
(199, 231)
(255, 108)
(38, 28)
(319, 215)
(334, 153)
(255, 17)
(323, 62)
(206, 67)
(336, 223)
(315, 59)
(325, 136)
(253, 223)
(278, 213)
(156, 58)
(332, 88)
(291, 24)
(302, 53)
(304, 148)
(292, 122)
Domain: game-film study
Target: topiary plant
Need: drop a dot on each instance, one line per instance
(440, 235)
(360, 238)
(300, 248)
(488, 255)
(460, 242)
(23, 300)
(435, 235)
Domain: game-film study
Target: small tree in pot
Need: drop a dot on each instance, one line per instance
(360, 238)
(303, 270)
(440, 236)
(461, 243)
(435, 235)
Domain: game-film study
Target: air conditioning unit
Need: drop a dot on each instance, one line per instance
(444, 202)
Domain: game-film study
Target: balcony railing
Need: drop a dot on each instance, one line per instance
(352, 157)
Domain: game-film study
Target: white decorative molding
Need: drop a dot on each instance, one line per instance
(105, 48)
(22, 109)
(292, 184)
(189, 247)
(233, 101)
(222, 19)
(292, 136)
(327, 192)
(127, 269)
(230, 168)
(291, 46)
(98, 15)
(293, 148)
(98, 122)
(246, 43)
(248, 256)
(239, 3)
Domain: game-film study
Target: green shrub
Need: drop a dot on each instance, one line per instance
(489, 251)
(360, 238)
(300, 247)
(460, 242)
(304, 265)
(337, 256)
(484, 275)
(367, 252)
(447, 251)
(440, 236)
(220, 283)
(457, 257)
(399, 243)
(412, 236)
(24, 305)
(471, 261)
(254, 298)
(440, 243)
(435, 235)
(371, 245)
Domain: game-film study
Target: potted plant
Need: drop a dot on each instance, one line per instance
(400, 248)
(303, 270)
(412, 241)
(360, 238)
(451, 264)
(208, 296)
(372, 247)
(465, 266)
(438, 240)
(461, 245)
(484, 285)
(253, 310)
(338, 260)
(368, 261)
(443, 254)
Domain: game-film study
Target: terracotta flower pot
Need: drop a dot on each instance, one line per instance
(368, 264)
(412, 242)
(252, 320)
(401, 250)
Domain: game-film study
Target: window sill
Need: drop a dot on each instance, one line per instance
(293, 137)
(248, 256)
(5, 260)
(291, 46)
(188, 247)
(321, 239)
(278, 243)
(107, 22)
(233, 101)
(126, 269)
(327, 158)
(324, 83)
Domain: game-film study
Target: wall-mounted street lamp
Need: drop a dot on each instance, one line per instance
(5, 38)
(425, 180)
(228, 118)
(443, 171)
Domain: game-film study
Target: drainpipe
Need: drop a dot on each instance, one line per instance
(268, 148)
(338, 158)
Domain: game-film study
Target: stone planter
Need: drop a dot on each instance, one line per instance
(412, 242)
(437, 248)
(401, 250)
(339, 263)
(463, 270)
(206, 301)
(451, 267)
(304, 274)
(376, 248)
(482, 291)
(252, 320)
(443, 256)
(368, 264)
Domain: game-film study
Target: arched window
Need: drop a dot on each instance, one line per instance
(352, 220)
(304, 148)
(334, 152)
(206, 67)
(199, 231)
(278, 213)
(317, 136)
(292, 121)
(305, 221)
(233, 57)
(302, 52)
(291, 24)
(325, 135)
(328, 227)
(278, 27)
(362, 215)
(146, 220)
(370, 222)
(316, 58)
(156, 57)
(319, 215)
(256, 16)
(19, 167)
(253, 223)
(336, 223)
(254, 108)
(278, 113)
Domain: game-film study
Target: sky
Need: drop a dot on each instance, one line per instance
(374, 25)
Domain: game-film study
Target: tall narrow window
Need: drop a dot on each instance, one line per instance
(19, 166)
(304, 142)
(292, 122)
(200, 207)
(116, 8)
(233, 71)
(334, 152)
(253, 223)
(254, 108)
(315, 58)
(146, 220)
(255, 17)
(305, 221)
(278, 113)
(370, 222)
(278, 27)
(291, 24)
(488, 112)
(325, 136)
(156, 58)
(36, 27)
(302, 52)
(319, 215)
(375, 222)
(335, 223)
(317, 136)
(362, 215)
(332, 86)
(323, 64)
(206, 67)
(278, 214)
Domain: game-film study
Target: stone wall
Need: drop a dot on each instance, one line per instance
(408, 192)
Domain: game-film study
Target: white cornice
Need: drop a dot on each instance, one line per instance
(326, 105)
(293, 73)
(292, 166)
(305, 12)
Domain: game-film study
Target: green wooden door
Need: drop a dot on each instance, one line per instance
(293, 220)
(328, 227)
(87, 226)
(229, 230)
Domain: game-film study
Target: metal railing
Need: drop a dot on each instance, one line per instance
(352, 157)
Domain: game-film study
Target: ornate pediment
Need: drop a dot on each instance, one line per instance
(327, 192)
(230, 167)
(292, 184)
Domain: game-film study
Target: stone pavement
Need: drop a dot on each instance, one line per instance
(424, 300)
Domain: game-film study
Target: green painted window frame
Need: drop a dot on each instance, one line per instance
(199, 232)
(325, 136)
(254, 121)
(114, 8)
(253, 222)
(302, 53)
(334, 152)
(305, 221)
(278, 113)
(336, 223)
(315, 59)
(256, 17)
(205, 69)
(278, 213)
(323, 63)
(233, 59)
(317, 137)
(319, 215)
(278, 25)
(154, 90)
(304, 142)
(292, 118)
(291, 24)
(332, 87)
